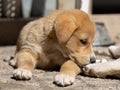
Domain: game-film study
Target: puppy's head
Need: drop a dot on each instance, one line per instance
(75, 32)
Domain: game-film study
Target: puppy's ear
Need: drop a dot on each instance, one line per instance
(65, 25)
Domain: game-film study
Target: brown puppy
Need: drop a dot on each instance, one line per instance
(63, 38)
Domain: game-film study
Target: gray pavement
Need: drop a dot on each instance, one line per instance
(43, 80)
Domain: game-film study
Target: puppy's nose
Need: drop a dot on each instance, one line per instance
(92, 59)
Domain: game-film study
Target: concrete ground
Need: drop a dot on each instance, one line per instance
(43, 80)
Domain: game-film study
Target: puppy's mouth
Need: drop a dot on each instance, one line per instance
(77, 62)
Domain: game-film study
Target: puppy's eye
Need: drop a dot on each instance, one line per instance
(84, 42)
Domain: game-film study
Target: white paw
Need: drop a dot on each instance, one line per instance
(96, 70)
(22, 74)
(63, 80)
(89, 70)
(114, 51)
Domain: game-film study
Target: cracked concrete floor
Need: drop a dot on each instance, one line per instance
(43, 80)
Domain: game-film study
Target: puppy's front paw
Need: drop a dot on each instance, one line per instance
(96, 70)
(22, 74)
(89, 70)
(64, 80)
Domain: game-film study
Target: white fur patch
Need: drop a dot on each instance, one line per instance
(22, 74)
(63, 80)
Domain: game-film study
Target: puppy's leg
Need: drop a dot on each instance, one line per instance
(111, 68)
(67, 73)
(114, 51)
(25, 62)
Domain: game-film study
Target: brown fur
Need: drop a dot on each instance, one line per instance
(55, 40)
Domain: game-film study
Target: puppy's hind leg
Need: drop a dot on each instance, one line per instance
(25, 61)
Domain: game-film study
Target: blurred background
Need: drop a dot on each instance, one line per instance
(14, 14)
(106, 6)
